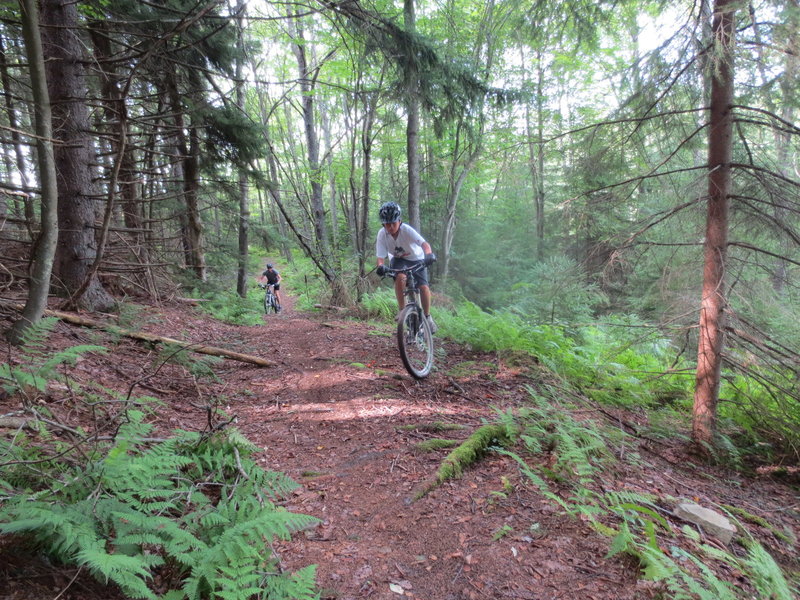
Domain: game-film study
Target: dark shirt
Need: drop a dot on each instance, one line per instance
(271, 275)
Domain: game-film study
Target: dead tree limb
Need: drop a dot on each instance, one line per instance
(149, 337)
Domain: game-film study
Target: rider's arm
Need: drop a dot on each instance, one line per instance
(426, 248)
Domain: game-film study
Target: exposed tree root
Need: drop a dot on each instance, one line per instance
(466, 454)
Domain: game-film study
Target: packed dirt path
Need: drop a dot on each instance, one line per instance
(339, 414)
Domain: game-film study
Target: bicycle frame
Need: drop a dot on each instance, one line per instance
(414, 336)
(270, 299)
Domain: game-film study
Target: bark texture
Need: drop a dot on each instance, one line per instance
(66, 82)
(712, 309)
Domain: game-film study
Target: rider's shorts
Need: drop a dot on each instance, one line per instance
(403, 263)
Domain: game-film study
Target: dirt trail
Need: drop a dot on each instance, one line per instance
(332, 415)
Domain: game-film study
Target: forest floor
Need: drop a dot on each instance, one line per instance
(334, 414)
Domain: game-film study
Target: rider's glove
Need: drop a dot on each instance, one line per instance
(381, 270)
(430, 259)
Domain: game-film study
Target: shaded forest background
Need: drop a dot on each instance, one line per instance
(627, 168)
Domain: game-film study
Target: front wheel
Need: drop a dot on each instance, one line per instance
(270, 303)
(415, 342)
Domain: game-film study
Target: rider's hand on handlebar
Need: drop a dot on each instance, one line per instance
(430, 259)
(381, 270)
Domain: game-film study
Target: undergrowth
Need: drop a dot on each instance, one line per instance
(571, 467)
(625, 362)
(230, 307)
(194, 509)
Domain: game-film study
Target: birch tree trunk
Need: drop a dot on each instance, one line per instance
(48, 238)
(712, 309)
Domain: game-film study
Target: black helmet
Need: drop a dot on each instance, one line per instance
(269, 265)
(389, 212)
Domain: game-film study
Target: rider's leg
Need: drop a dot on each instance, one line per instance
(399, 289)
(425, 298)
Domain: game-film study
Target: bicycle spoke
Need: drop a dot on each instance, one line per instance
(415, 343)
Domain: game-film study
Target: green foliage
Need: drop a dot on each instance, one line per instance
(579, 447)
(198, 504)
(37, 365)
(380, 304)
(502, 532)
(306, 282)
(760, 407)
(201, 367)
(555, 291)
(634, 522)
(229, 307)
(606, 362)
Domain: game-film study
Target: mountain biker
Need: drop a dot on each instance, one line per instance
(406, 248)
(271, 277)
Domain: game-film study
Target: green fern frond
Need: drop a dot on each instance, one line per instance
(766, 575)
(145, 503)
(301, 584)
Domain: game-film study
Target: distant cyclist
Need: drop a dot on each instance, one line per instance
(271, 277)
(406, 248)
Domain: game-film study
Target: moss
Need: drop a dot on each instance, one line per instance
(470, 451)
(436, 426)
(466, 454)
(435, 444)
(760, 521)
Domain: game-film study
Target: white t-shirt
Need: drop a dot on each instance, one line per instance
(408, 244)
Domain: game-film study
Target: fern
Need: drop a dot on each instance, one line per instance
(38, 365)
(633, 521)
(138, 507)
(765, 575)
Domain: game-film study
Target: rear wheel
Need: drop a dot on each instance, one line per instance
(415, 342)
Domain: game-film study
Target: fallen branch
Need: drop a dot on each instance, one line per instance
(149, 337)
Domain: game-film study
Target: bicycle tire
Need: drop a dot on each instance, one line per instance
(270, 303)
(415, 342)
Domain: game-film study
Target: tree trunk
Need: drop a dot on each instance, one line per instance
(77, 246)
(117, 118)
(244, 208)
(48, 238)
(16, 140)
(712, 310)
(191, 223)
(306, 80)
(362, 217)
(412, 124)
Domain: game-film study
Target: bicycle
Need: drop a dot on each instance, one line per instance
(414, 335)
(270, 300)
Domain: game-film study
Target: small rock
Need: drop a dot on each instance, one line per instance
(710, 521)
